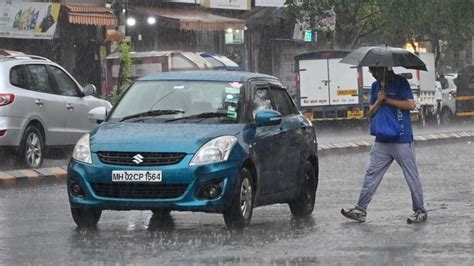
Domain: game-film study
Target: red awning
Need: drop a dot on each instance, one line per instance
(192, 19)
(91, 15)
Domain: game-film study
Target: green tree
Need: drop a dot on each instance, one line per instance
(125, 67)
(355, 20)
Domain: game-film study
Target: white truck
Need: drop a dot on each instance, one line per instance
(330, 90)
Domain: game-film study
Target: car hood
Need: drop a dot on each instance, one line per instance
(148, 137)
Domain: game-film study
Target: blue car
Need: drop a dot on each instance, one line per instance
(210, 141)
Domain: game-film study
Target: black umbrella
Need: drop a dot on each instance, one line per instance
(383, 56)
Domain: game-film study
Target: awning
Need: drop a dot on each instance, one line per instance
(91, 15)
(191, 19)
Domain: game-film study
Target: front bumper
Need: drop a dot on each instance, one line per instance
(193, 177)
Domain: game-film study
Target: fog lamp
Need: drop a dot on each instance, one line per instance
(76, 189)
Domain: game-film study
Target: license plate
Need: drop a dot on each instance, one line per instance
(136, 176)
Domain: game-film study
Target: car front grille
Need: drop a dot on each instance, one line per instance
(140, 158)
(139, 191)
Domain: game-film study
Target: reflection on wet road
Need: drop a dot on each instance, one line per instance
(37, 228)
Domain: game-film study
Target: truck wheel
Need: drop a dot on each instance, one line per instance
(86, 217)
(239, 214)
(31, 153)
(303, 205)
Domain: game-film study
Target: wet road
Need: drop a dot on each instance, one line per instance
(36, 227)
(328, 132)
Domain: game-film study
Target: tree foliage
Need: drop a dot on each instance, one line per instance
(393, 22)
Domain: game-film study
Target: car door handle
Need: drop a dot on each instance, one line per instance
(70, 107)
(39, 102)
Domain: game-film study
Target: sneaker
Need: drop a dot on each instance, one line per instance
(417, 217)
(354, 214)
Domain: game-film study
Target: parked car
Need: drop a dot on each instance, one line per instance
(448, 94)
(41, 107)
(211, 141)
(219, 62)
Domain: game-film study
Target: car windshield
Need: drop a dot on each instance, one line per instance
(184, 101)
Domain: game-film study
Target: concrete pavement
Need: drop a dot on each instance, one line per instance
(58, 174)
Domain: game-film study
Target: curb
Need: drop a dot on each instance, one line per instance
(57, 175)
(51, 175)
(420, 140)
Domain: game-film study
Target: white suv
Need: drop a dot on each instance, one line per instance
(41, 106)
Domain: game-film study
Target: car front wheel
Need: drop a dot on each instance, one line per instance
(86, 217)
(32, 148)
(303, 205)
(447, 116)
(239, 214)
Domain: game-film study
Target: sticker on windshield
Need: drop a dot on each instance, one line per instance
(231, 98)
(231, 114)
(232, 90)
(236, 85)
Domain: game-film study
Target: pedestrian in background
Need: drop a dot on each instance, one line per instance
(391, 91)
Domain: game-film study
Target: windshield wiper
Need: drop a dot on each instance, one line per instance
(201, 115)
(153, 113)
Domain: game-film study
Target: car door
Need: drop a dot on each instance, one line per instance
(75, 106)
(44, 103)
(265, 148)
(292, 139)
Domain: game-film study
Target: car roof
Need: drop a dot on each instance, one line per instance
(207, 75)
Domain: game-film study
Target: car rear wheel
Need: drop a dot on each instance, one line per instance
(86, 217)
(239, 214)
(303, 205)
(32, 148)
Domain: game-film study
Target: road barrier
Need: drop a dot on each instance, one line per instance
(57, 175)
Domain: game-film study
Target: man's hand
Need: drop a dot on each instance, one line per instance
(381, 96)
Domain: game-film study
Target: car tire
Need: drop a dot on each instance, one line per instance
(303, 205)
(31, 153)
(86, 217)
(447, 116)
(239, 214)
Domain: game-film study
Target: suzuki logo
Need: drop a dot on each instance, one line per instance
(138, 159)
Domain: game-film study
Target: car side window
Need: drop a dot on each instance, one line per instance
(261, 100)
(281, 102)
(66, 86)
(38, 79)
(17, 76)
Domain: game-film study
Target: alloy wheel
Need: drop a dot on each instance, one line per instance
(246, 198)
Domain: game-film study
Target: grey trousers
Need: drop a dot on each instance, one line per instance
(380, 158)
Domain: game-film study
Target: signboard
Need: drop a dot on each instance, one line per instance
(228, 4)
(274, 3)
(28, 20)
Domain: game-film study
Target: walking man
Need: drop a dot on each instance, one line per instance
(393, 92)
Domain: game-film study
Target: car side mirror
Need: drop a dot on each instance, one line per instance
(97, 115)
(89, 89)
(267, 117)
(407, 75)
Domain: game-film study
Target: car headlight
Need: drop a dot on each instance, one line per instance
(82, 150)
(216, 150)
